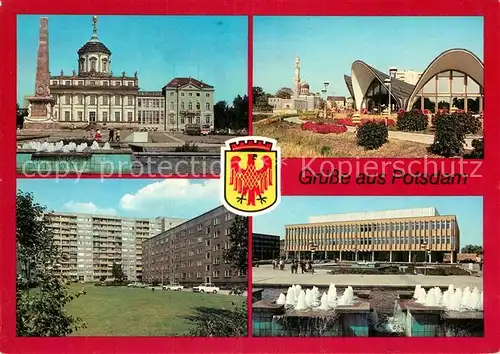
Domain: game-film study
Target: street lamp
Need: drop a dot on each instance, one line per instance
(324, 91)
(388, 84)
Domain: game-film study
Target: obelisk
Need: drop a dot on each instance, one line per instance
(40, 109)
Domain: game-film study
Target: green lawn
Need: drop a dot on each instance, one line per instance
(122, 311)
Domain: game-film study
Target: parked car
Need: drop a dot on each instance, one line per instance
(206, 288)
(173, 286)
(136, 285)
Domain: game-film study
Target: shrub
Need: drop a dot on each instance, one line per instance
(451, 129)
(324, 128)
(412, 121)
(187, 147)
(372, 135)
(325, 151)
(478, 150)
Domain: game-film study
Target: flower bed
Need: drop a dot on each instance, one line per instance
(324, 128)
(348, 121)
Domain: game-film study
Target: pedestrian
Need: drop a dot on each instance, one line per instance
(91, 134)
(282, 265)
(111, 135)
(310, 267)
(98, 135)
(302, 266)
(274, 264)
(117, 135)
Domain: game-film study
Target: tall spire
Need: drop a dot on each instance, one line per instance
(94, 31)
(296, 79)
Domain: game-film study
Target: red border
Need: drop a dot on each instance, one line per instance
(487, 186)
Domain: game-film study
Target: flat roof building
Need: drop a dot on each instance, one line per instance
(92, 243)
(193, 252)
(406, 235)
(265, 247)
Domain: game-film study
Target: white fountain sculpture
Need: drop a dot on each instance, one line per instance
(290, 296)
(417, 291)
(324, 302)
(301, 303)
(453, 299)
(281, 299)
(60, 147)
(347, 297)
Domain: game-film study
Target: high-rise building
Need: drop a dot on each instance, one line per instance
(409, 76)
(265, 247)
(92, 243)
(193, 252)
(405, 235)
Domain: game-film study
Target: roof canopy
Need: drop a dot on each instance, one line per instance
(454, 59)
(363, 75)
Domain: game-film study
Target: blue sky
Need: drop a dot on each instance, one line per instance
(327, 46)
(157, 47)
(296, 210)
(178, 198)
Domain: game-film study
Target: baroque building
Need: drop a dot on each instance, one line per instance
(94, 94)
(188, 101)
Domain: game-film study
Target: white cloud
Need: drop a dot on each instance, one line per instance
(179, 191)
(88, 208)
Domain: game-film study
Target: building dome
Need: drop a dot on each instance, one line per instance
(305, 85)
(93, 47)
(94, 57)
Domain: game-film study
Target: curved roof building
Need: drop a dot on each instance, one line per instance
(453, 79)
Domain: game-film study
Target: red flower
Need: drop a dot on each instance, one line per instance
(324, 128)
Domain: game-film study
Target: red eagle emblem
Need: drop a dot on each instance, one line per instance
(251, 182)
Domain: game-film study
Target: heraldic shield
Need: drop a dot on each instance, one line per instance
(251, 175)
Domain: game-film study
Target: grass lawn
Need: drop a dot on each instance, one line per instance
(295, 142)
(122, 311)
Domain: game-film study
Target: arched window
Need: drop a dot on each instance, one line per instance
(93, 62)
(183, 106)
(207, 106)
(82, 64)
(190, 105)
(105, 65)
(171, 106)
(198, 106)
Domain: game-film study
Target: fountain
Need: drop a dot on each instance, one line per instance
(453, 299)
(301, 303)
(281, 299)
(290, 296)
(324, 302)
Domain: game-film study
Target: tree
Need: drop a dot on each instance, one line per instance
(284, 93)
(221, 115)
(117, 273)
(237, 254)
(472, 249)
(260, 100)
(240, 112)
(40, 313)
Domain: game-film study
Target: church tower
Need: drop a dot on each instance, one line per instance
(296, 80)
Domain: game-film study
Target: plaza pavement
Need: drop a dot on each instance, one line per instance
(266, 276)
(421, 138)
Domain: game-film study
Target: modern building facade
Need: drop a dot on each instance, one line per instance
(192, 252)
(453, 80)
(188, 101)
(92, 243)
(409, 76)
(301, 100)
(407, 235)
(151, 110)
(265, 247)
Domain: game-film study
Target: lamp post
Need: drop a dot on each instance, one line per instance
(425, 245)
(324, 91)
(388, 84)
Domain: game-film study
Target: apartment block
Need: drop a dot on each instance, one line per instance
(92, 243)
(192, 252)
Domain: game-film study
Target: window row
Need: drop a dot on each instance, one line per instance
(95, 99)
(383, 240)
(105, 83)
(92, 116)
(359, 228)
(190, 94)
(190, 106)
